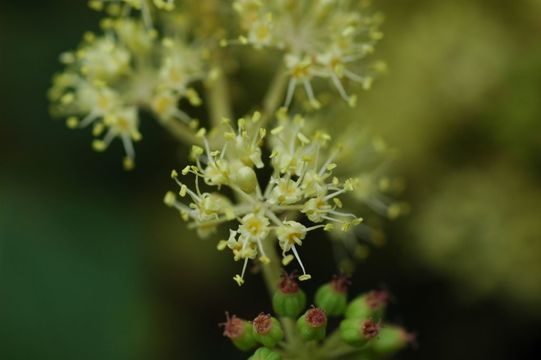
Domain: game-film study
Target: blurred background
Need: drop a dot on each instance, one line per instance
(93, 266)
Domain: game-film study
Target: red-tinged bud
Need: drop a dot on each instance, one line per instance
(267, 330)
(332, 297)
(370, 305)
(289, 300)
(240, 332)
(313, 324)
(358, 332)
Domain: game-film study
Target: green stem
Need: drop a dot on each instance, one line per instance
(271, 274)
(273, 270)
(180, 131)
(275, 94)
(219, 103)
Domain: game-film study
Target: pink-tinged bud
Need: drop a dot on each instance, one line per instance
(369, 305)
(358, 332)
(289, 300)
(312, 325)
(240, 332)
(267, 330)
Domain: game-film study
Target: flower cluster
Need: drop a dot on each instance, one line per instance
(110, 78)
(124, 7)
(327, 39)
(301, 183)
(362, 332)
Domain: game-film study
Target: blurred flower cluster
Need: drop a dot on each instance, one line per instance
(482, 230)
(328, 39)
(112, 77)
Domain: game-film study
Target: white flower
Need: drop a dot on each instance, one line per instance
(323, 39)
(301, 182)
(254, 227)
(286, 191)
(289, 234)
(110, 78)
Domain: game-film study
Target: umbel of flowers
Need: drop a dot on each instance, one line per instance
(272, 177)
(325, 39)
(301, 183)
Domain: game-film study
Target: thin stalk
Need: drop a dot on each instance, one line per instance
(181, 132)
(219, 103)
(275, 94)
(271, 274)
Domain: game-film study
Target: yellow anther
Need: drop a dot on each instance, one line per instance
(331, 167)
(222, 245)
(303, 138)
(328, 227)
(128, 163)
(98, 129)
(305, 277)
(197, 151)
(169, 199)
(183, 190)
(349, 185)
(67, 98)
(72, 122)
(201, 133)
(238, 279)
(277, 130)
(99, 145)
(287, 259)
(264, 260)
(256, 116)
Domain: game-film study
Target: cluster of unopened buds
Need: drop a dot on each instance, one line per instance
(360, 329)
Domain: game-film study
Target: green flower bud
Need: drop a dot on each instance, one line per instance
(264, 353)
(357, 332)
(390, 340)
(240, 332)
(332, 297)
(288, 300)
(312, 325)
(368, 306)
(245, 178)
(267, 330)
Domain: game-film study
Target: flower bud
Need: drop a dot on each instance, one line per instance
(288, 300)
(370, 305)
(390, 340)
(240, 332)
(332, 297)
(267, 330)
(245, 178)
(312, 325)
(264, 353)
(357, 332)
